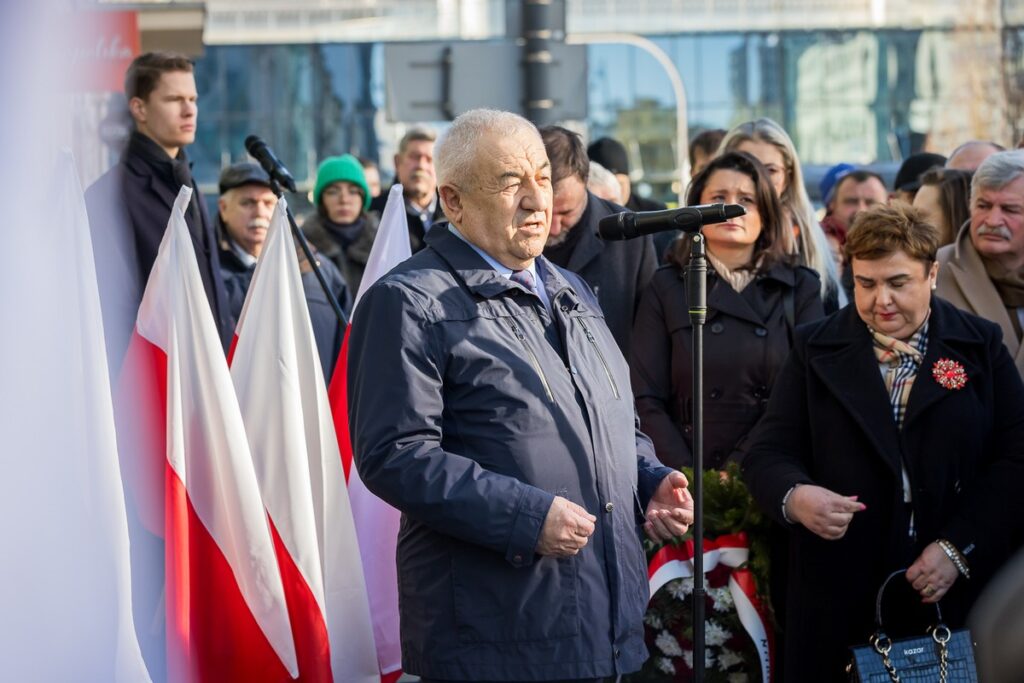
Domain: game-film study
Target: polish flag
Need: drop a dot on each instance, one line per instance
(188, 468)
(283, 397)
(376, 521)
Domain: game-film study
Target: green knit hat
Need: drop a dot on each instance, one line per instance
(335, 169)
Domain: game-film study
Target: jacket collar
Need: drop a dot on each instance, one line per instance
(840, 353)
(479, 277)
(722, 298)
(588, 247)
(968, 270)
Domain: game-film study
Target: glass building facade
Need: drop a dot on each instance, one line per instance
(856, 96)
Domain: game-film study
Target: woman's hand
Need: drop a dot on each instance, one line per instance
(932, 574)
(823, 512)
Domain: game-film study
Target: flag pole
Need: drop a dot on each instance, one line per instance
(304, 245)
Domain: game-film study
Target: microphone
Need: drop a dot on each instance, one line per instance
(259, 151)
(627, 225)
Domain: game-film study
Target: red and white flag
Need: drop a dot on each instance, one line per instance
(376, 521)
(192, 478)
(65, 583)
(281, 390)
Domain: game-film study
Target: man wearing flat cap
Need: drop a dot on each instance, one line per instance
(244, 209)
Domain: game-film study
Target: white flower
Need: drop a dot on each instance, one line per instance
(666, 665)
(739, 677)
(715, 635)
(709, 659)
(652, 620)
(681, 588)
(722, 598)
(668, 644)
(728, 659)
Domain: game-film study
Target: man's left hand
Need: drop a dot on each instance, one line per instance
(670, 512)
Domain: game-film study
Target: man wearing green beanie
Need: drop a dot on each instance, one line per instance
(342, 229)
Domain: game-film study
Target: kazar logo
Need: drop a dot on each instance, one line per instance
(913, 651)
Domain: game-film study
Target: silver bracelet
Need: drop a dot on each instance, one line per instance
(785, 499)
(955, 557)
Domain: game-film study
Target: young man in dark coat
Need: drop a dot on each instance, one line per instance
(616, 271)
(130, 205)
(489, 404)
(244, 210)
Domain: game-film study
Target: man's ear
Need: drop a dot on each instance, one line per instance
(451, 202)
(222, 204)
(137, 108)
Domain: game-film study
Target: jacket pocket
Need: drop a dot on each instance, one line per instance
(496, 602)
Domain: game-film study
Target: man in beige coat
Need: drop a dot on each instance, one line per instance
(982, 272)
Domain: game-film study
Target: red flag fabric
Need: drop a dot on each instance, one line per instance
(277, 375)
(189, 472)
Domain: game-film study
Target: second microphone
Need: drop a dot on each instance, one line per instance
(627, 225)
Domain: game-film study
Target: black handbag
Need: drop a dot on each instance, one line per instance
(941, 655)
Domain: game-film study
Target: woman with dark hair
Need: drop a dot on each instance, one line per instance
(945, 200)
(894, 439)
(756, 296)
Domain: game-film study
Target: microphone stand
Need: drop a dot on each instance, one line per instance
(696, 295)
(275, 187)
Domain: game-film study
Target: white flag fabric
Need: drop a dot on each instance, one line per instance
(194, 482)
(281, 390)
(377, 522)
(66, 588)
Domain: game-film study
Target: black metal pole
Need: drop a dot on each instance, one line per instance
(537, 35)
(304, 245)
(696, 294)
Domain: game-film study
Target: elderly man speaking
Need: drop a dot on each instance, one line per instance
(490, 404)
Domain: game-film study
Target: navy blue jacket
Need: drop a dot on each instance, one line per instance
(471, 410)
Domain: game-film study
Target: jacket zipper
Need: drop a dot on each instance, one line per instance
(533, 359)
(600, 355)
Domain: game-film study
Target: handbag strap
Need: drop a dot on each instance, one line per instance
(881, 592)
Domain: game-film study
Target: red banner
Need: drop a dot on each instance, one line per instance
(106, 44)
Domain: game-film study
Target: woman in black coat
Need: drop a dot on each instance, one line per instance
(755, 299)
(894, 438)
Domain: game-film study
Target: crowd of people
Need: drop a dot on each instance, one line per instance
(522, 390)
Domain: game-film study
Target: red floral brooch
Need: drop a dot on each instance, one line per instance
(949, 373)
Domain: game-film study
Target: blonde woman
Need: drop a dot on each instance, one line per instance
(768, 143)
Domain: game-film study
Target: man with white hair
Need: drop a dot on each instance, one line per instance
(603, 183)
(982, 272)
(489, 404)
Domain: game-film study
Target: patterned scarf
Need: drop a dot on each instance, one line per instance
(903, 360)
(738, 278)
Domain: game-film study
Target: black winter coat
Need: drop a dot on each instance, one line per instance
(616, 271)
(830, 423)
(129, 207)
(471, 408)
(351, 259)
(746, 338)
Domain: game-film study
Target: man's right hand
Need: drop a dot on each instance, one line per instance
(823, 512)
(567, 528)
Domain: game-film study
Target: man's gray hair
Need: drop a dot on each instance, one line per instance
(603, 183)
(998, 170)
(416, 134)
(456, 152)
